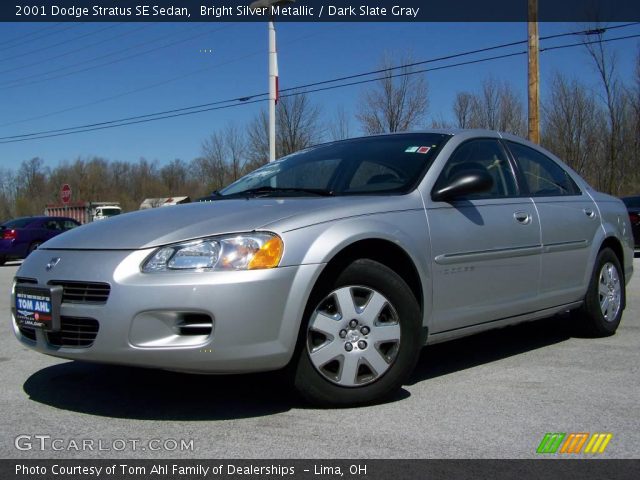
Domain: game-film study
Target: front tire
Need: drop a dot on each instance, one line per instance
(362, 337)
(33, 246)
(604, 302)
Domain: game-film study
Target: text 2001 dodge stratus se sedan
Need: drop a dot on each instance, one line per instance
(340, 261)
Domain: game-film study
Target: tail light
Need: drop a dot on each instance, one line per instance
(10, 234)
(634, 217)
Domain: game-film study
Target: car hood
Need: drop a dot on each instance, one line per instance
(165, 225)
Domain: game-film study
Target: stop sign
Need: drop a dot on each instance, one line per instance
(65, 193)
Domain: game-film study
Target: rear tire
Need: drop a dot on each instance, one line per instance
(361, 337)
(604, 302)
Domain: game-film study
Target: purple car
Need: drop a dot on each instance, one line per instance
(21, 236)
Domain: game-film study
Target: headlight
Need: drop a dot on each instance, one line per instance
(245, 251)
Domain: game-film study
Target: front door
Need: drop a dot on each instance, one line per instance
(486, 248)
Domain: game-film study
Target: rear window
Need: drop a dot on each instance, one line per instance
(18, 223)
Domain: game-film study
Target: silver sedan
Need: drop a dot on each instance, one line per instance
(339, 262)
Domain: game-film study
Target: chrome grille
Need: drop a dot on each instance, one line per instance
(83, 292)
(28, 332)
(74, 332)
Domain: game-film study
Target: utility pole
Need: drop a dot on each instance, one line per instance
(534, 74)
(273, 89)
(273, 69)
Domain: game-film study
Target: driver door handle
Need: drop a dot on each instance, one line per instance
(522, 217)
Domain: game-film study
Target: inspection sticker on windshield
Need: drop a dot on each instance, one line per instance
(422, 150)
(36, 307)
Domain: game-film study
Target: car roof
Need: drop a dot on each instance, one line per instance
(38, 217)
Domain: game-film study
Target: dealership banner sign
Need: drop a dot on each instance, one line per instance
(124, 469)
(316, 10)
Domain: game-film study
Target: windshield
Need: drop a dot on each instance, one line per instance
(370, 165)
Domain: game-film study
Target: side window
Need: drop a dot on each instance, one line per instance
(482, 154)
(68, 225)
(544, 177)
(52, 225)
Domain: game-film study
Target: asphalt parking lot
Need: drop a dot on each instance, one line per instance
(493, 395)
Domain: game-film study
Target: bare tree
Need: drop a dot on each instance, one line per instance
(298, 123)
(462, 109)
(235, 146)
(32, 191)
(211, 165)
(298, 127)
(258, 140)
(496, 107)
(174, 176)
(571, 126)
(7, 194)
(613, 97)
(441, 122)
(340, 126)
(397, 102)
(631, 133)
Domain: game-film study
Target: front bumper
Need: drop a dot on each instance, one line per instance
(254, 315)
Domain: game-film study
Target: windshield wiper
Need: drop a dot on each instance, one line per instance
(267, 190)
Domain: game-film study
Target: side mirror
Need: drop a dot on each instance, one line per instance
(467, 183)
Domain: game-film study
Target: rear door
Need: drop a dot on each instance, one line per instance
(569, 221)
(485, 248)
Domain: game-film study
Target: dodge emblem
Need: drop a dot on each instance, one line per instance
(52, 263)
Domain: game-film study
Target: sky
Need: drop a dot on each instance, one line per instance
(56, 76)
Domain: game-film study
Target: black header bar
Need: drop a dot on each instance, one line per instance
(587, 11)
(125, 469)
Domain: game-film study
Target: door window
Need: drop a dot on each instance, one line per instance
(69, 224)
(482, 154)
(544, 177)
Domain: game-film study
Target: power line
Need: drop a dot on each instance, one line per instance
(450, 57)
(579, 44)
(140, 121)
(54, 45)
(163, 82)
(311, 84)
(83, 47)
(589, 31)
(68, 27)
(30, 34)
(21, 82)
(247, 100)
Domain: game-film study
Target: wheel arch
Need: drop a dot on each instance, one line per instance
(615, 245)
(380, 250)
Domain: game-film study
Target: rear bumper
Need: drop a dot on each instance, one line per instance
(254, 317)
(11, 249)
